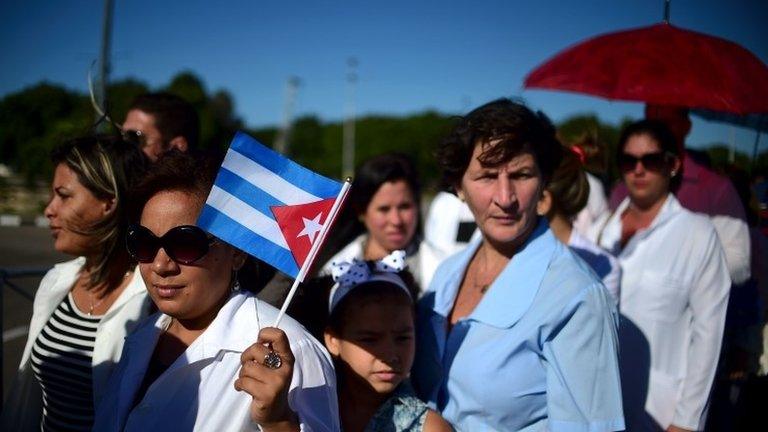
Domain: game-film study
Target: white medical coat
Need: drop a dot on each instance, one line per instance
(196, 393)
(674, 295)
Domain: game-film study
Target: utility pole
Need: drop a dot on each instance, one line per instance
(104, 62)
(348, 149)
(282, 142)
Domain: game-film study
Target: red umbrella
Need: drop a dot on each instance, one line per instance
(661, 64)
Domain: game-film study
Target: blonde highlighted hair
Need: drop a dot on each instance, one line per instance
(109, 168)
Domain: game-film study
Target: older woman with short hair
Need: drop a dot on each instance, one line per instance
(515, 332)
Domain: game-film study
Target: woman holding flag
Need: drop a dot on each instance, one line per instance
(207, 361)
(515, 332)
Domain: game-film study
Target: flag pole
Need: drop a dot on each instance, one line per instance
(315, 247)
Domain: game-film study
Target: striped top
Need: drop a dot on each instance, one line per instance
(61, 360)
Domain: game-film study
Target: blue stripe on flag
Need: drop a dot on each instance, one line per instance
(291, 171)
(223, 227)
(246, 192)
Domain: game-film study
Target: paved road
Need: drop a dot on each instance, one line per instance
(21, 248)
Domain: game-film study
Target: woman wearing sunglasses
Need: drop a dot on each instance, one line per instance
(83, 308)
(674, 288)
(206, 361)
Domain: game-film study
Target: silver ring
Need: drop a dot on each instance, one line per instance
(272, 360)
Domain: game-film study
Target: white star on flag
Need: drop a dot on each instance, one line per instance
(311, 227)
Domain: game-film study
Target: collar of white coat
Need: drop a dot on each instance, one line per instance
(512, 292)
(65, 276)
(670, 207)
(67, 273)
(225, 333)
(134, 288)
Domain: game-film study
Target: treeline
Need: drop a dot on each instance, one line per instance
(34, 120)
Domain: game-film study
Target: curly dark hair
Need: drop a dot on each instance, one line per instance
(514, 128)
(192, 172)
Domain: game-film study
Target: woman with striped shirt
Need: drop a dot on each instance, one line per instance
(83, 308)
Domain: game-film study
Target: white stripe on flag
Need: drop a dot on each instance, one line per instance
(266, 180)
(246, 216)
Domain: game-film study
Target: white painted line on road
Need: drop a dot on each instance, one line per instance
(10, 220)
(15, 333)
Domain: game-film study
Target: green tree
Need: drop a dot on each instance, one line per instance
(34, 120)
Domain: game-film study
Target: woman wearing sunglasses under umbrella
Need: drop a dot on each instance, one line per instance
(83, 308)
(674, 288)
(206, 361)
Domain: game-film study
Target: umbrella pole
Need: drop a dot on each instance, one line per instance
(754, 151)
(666, 11)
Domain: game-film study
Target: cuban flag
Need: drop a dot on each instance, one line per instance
(269, 206)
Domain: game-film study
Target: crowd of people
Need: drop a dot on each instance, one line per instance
(524, 301)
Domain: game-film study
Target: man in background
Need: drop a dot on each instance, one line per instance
(159, 122)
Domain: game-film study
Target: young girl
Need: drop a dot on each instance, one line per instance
(370, 334)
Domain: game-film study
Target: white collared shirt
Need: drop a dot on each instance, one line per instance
(196, 393)
(674, 295)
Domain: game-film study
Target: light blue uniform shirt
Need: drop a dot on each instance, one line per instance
(539, 352)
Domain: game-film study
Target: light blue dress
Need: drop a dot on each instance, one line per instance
(539, 352)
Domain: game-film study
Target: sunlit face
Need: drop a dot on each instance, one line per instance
(376, 348)
(186, 292)
(504, 199)
(73, 209)
(646, 187)
(391, 218)
(152, 142)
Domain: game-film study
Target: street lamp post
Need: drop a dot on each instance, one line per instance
(282, 143)
(348, 149)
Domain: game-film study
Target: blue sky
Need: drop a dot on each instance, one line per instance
(444, 55)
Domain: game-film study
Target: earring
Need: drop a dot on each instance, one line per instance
(234, 282)
(673, 173)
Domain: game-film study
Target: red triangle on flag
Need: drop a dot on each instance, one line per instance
(301, 224)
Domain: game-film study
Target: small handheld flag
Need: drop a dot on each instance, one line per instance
(271, 207)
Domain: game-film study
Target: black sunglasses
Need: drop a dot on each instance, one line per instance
(656, 162)
(185, 244)
(135, 137)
